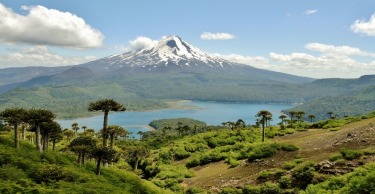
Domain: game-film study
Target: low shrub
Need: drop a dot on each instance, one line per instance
(335, 157)
(351, 154)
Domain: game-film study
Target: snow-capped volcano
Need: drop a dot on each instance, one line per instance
(170, 53)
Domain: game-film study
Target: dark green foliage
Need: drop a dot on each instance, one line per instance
(351, 154)
(270, 175)
(303, 174)
(362, 180)
(21, 171)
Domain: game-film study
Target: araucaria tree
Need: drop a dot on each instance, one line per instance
(264, 115)
(36, 117)
(14, 116)
(116, 131)
(106, 105)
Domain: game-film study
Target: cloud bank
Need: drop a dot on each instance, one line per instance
(330, 61)
(40, 56)
(43, 26)
(216, 36)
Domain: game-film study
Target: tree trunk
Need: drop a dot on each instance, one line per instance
(23, 132)
(53, 145)
(37, 137)
(83, 159)
(111, 141)
(16, 139)
(105, 132)
(98, 165)
(263, 133)
(136, 164)
(47, 142)
(79, 158)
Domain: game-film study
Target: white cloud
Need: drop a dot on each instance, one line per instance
(141, 42)
(39, 56)
(364, 27)
(216, 36)
(331, 61)
(43, 26)
(338, 50)
(310, 12)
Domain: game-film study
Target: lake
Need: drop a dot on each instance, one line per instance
(213, 113)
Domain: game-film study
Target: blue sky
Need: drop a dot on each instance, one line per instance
(316, 38)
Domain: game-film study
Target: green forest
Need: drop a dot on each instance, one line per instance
(185, 155)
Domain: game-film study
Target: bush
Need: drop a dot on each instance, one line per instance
(351, 154)
(303, 174)
(335, 157)
(270, 175)
(289, 147)
(9, 172)
(285, 182)
(49, 173)
(232, 162)
(262, 151)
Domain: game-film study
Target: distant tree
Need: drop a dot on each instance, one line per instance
(240, 124)
(15, 117)
(311, 117)
(102, 154)
(299, 115)
(135, 154)
(116, 131)
(36, 117)
(292, 114)
(330, 114)
(89, 133)
(84, 128)
(231, 125)
(82, 146)
(56, 135)
(68, 134)
(75, 128)
(46, 129)
(282, 118)
(106, 105)
(264, 115)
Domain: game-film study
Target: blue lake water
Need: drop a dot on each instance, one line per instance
(213, 113)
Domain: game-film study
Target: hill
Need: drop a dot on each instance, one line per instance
(357, 102)
(25, 170)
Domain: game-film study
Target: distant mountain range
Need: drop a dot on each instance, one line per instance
(171, 69)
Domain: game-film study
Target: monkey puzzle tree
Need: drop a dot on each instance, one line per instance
(82, 146)
(14, 116)
(116, 131)
(264, 117)
(36, 117)
(102, 154)
(75, 128)
(106, 105)
(311, 117)
(48, 128)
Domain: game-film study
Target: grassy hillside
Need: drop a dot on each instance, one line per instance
(25, 170)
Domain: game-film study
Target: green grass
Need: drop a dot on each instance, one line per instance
(25, 170)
